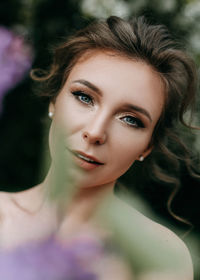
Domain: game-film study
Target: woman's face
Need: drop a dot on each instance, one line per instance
(105, 115)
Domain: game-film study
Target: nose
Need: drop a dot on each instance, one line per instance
(94, 139)
(95, 131)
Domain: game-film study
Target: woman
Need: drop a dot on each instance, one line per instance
(116, 89)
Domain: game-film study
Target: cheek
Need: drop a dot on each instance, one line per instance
(54, 136)
(128, 149)
(57, 141)
(69, 116)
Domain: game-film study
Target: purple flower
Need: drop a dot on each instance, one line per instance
(15, 60)
(51, 260)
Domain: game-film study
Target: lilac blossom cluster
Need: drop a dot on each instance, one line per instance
(51, 260)
(15, 60)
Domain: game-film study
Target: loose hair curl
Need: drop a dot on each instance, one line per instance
(152, 44)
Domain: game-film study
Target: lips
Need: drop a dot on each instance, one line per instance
(87, 158)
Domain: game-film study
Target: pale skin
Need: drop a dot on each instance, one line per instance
(106, 112)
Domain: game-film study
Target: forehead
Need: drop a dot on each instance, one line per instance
(121, 78)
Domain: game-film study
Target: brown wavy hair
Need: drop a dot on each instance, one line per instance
(137, 39)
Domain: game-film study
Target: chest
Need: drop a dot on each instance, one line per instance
(18, 226)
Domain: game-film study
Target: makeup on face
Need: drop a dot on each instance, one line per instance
(108, 107)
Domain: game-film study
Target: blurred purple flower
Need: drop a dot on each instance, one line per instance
(15, 60)
(51, 260)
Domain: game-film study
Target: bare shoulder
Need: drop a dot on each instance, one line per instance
(27, 199)
(5, 200)
(158, 246)
(6, 206)
(177, 253)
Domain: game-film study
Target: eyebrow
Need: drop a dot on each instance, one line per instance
(127, 106)
(139, 110)
(89, 85)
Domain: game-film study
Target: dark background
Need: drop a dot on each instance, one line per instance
(22, 123)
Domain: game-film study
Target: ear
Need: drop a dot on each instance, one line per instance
(145, 153)
(148, 151)
(51, 107)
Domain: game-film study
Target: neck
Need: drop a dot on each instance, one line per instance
(73, 204)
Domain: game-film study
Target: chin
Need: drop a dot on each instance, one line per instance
(84, 181)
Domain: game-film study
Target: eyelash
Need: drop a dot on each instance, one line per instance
(137, 122)
(78, 94)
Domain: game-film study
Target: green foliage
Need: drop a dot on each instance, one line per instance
(45, 23)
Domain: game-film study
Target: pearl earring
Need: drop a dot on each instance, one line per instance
(50, 114)
(141, 158)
